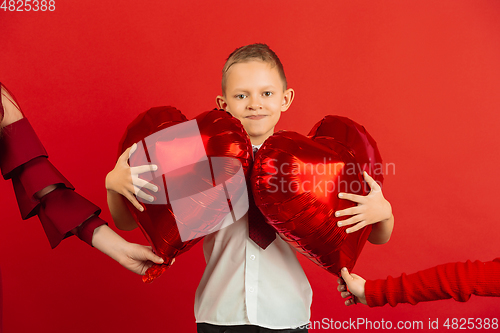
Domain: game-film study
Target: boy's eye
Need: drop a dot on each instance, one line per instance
(268, 93)
(240, 96)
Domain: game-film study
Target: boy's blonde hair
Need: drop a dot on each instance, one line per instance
(251, 52)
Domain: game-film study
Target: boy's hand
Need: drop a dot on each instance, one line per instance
(371, 209)
(356, 285)
(125, 180)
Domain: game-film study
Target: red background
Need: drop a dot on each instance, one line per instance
(422, 76)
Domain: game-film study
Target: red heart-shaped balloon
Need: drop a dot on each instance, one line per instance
(202, 166)
(296, 181)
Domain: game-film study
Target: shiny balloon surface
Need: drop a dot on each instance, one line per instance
(296, 181)
(191, 166)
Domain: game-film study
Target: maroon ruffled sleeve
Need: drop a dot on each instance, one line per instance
(63, 210)
(18, 145)
(86, 230)
(24, 160)
(32, 177)
(454, 280)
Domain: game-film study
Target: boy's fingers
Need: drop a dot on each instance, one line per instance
(352, 197)
(124, 156)
(348, 211)
(143, 168)
(371, 182)
(367, 177)
(129, 187)
(357, 227)
(144, 184)
(134, 201)
(143, 195)
(132, 148)
(352, 220)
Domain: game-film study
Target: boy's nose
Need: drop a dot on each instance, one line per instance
(254, 107)
(254, 104)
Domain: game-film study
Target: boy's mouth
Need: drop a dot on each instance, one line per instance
(256, 117)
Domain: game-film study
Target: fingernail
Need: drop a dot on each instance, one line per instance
(339, 224)
(341, 195)
(337, 214)
(141, 209)
(151, 199)
(344, 269)
(155, 167)
(348, 231)
(155, 189)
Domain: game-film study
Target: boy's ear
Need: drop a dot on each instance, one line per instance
(221, 103)
(287, 99)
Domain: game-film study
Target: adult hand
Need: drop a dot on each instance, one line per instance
(353, 286)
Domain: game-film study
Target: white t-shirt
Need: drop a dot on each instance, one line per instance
(244, 284)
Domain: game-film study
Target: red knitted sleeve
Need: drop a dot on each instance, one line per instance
(454, 280)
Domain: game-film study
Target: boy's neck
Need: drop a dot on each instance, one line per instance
(259, 140)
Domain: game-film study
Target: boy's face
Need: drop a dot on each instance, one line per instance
(254, 94)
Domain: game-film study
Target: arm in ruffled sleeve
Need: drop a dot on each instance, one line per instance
(454, 280)
(42, 190)
(62, 211)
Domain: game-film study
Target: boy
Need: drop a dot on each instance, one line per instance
(246, 288)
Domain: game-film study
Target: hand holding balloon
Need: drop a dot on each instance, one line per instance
(138, 258)
(134, 257)
(202, 165)
(125, 180)
(356, 285)
(372, 208)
